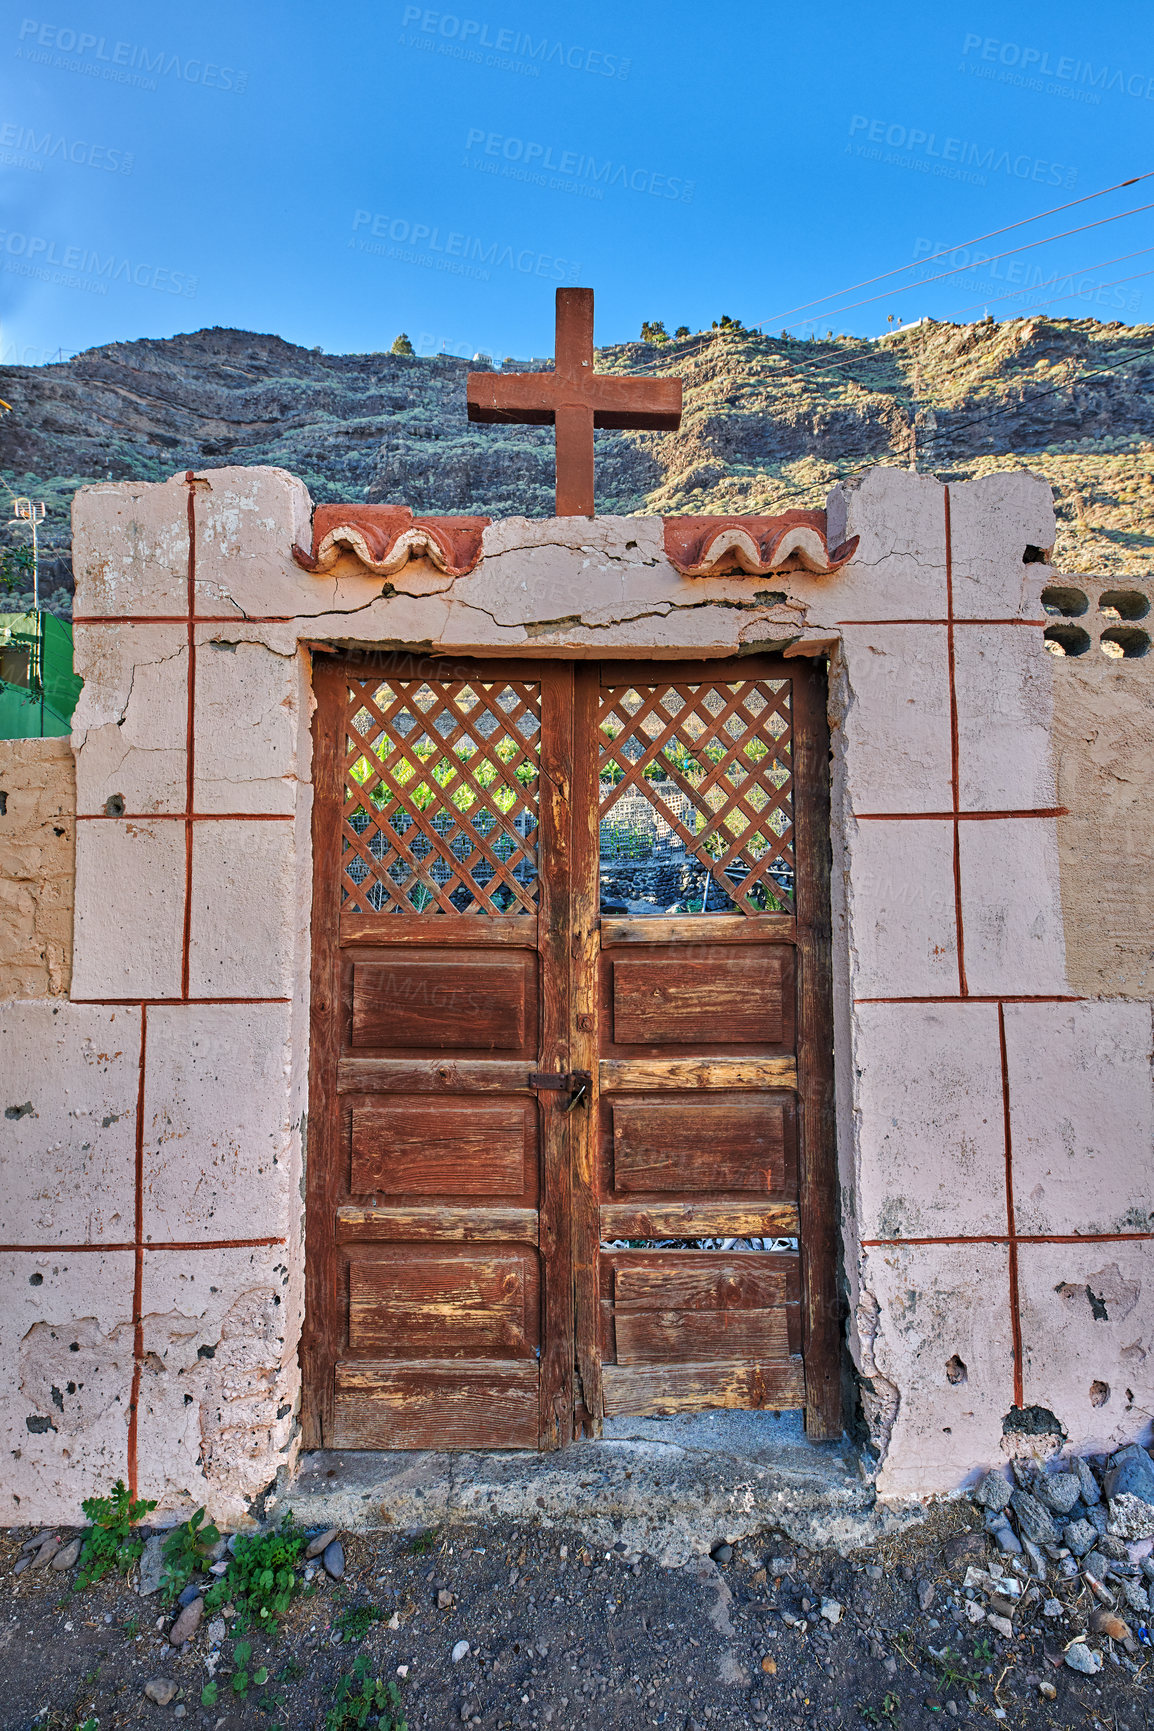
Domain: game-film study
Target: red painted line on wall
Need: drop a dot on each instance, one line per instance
(1038, 624)
(1011, 1219)
(958, 816)
(963, 986)
(982, 998)
(138, 1267)
(189, 744)
(207, 817)
(182, 618)
(191, 1244)
(1019, 1238)
(121, 1003)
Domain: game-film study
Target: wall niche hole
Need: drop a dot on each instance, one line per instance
(1099, 1393)
(1125, 642)
(1061, 598)
(1124, 603)
(114, 805)
(1066, 639)
(956, 1371)
(1036, 555)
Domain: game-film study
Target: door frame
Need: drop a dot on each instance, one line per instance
(568, 945)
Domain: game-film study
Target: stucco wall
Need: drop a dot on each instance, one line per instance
(37, 866)
(994, 1119)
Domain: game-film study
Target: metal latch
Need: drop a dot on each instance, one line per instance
(576, 1083)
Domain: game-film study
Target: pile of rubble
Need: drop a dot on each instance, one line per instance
(1076, 1538)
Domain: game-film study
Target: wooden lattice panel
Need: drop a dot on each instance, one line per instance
(440, 811)
(710, 767)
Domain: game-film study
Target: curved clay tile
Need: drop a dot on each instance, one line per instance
(715, 546)
(385, 537)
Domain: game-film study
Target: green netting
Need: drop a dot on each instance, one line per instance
(38, 689)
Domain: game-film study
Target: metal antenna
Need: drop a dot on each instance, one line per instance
(30, 511)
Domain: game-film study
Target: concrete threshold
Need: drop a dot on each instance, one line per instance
(667, 1488)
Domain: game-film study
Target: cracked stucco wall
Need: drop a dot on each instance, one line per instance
(993, 1096)
(37, 866)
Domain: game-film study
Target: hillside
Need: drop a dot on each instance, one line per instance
(769, 423)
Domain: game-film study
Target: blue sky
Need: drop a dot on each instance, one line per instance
(338, 174)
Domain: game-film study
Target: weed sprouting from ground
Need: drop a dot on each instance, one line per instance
(261, 1578)
(186, 1550)
(110, 1542)
(359, 1695)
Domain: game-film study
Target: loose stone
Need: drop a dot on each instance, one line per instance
(1059, 1492)
(1088, 1660)
(992, 1493)
(161, 1690)
(1034, 1519)
(68, 1556)
(722, 1553)
(46, 1552)
(1088, 1484)
(217, 1630)
(925, 1595)
(151, 1565)
(1079, 1537)
(191, 1592)
(318, 1546)
(334, 1559)
(187, 1623)
(832, 1611)
(459, 1651)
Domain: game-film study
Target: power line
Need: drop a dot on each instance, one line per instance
(962, 268)
(977, 240)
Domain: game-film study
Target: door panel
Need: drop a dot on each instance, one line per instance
(524, 871)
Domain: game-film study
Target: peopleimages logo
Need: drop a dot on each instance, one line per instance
(51, 147)
(121, 62)
(1033, 64)
(458, 253)
(82, 267)
(528, 160)
(955, 158)
(469, 36)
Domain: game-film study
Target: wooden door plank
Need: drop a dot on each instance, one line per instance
(681, 1337)
(435, 1075)
(735, 1283)
(436, 1404)
(635, 1390)
(677, 999)
(454, 1003)
(618, 930)
(464, 1147)
(680, 1145)
(821, 1310)
(554, 868)
(585, 962)
(415, 1225)
(319, 1340)
(648, 1075)
(707, 1219)
(516, 931)
(411, 1305)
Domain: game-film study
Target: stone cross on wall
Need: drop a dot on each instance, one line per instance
(575, 399)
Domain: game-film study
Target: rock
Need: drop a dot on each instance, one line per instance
(1002, 1606)
(721, 1553)
(216, 1552)
(1034, 1519)
(1098, 1519)
(769, 1665)
(1047, 1690)
(151, 1567)
(963, 1546)
(445, 1599)
(459, 1651)
(925, 1595)
(1088, 1484)
(179, 1710)
(187, 1623)
(1136, 1596)
(1079, 1537)
(1113, 1548)
(1002, 1624)
(318, 1546)
(974, 1611)
(1052, 1608)
(1007, 1539)
(46, 1551)
(1079, 1657)
(1128, 1484)
(217, 1630)
(993, 1492)
(24, 1562)
(191, 1592)
(161, 1690)
(874, 1572)
(1059, 1492)
(1103, 1622)
(68, 1555)
(1096, 1564)
(334, 1559)
(220, 1567)
(832, 1611)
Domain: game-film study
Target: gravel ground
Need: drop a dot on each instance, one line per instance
(559, 1636)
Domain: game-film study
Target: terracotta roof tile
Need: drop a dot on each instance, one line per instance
(386, 537)
(793, 541)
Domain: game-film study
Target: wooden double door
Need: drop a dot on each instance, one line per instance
(570, 1124)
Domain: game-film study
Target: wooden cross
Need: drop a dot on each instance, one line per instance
(575, 399)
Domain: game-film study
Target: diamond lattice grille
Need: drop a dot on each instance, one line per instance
(441, 796)
(703, 772)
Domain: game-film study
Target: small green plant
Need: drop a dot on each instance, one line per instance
(422, 1543)
(984, 1652)
(186, 1550)
(131, 1627)
(209, 1693)
(654, 331)
(359, 1695)
(401, 345)
(16, 569)
(110, 1542)
(261, 1578)
(241, 1654)
(355, 1623)
(90, 1724)
(956, 1674)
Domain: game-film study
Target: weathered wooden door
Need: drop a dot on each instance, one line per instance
(571, 1050)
